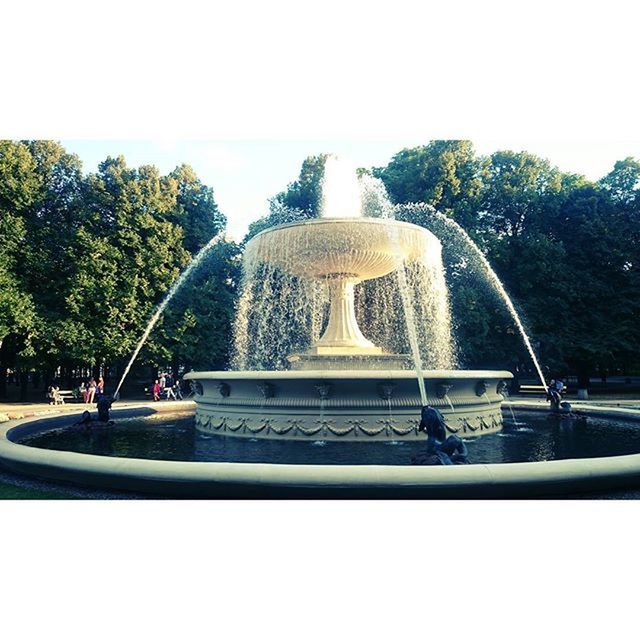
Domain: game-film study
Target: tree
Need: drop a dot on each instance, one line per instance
(19, 183)
(196, 211)
(299, 201)
(445, 174)
(197, 327)
(85, 259)
(128, 254)
(623, 183)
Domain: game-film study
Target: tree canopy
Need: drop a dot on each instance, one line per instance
(84, 259)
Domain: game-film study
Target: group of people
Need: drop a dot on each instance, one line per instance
(165, 387)
(90, 390)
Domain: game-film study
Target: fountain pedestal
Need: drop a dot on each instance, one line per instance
(343, 337)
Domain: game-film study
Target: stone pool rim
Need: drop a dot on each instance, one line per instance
(168, 478)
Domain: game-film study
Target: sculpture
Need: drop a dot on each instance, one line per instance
(440, 449)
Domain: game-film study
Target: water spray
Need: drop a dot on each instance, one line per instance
(195, 262)
(492, 277)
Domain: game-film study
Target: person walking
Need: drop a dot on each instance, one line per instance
(156, 391)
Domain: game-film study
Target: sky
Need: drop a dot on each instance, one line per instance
(244, 174)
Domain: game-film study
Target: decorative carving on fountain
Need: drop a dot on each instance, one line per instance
(481, 388)
(386, 389)
(267, 390)
(443, 388)
(223, 389)
(324, 390)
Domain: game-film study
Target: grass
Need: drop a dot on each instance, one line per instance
(13, 492)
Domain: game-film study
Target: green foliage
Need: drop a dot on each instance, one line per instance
(197, 326)
(623, 183)
(445, 174)
(566, 249)
(84, 260)
(299, 201)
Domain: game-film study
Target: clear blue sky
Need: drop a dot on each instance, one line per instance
(245, 174)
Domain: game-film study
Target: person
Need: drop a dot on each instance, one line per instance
(57, 398)
(170, 394)
(440, 449)
(91, 391)
(50, 394)
(156, 391)
(100, 386)
(177, 390)
(163, 382)
(554, 394)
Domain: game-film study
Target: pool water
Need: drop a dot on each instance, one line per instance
(532, 437)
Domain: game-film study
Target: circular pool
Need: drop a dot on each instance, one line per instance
(162, 452)
(534, 437)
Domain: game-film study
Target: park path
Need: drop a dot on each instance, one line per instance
(21, 410)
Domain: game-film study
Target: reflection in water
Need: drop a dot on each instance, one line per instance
(174, 437)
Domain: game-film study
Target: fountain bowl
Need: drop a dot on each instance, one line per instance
(354, 248)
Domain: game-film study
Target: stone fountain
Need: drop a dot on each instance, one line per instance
(343, 386)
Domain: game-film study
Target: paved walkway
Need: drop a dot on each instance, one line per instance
(20, 410)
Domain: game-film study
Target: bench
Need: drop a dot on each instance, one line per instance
(66, 395)
(531, 389)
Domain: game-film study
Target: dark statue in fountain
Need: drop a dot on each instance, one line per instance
(104, 403)
(440, 449)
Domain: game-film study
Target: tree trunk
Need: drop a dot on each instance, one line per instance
(69, 378)
(24, 386)
(3, 381)
(583, 383)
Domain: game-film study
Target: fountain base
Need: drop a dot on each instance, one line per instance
(358, 405)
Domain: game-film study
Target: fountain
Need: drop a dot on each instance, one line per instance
(343, 333)
(302, 277)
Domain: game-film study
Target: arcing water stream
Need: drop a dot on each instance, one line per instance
(197, 259)
(488, 271)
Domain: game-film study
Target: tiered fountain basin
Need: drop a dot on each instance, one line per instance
(344, 387)
(344, 405)
(341, 252)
